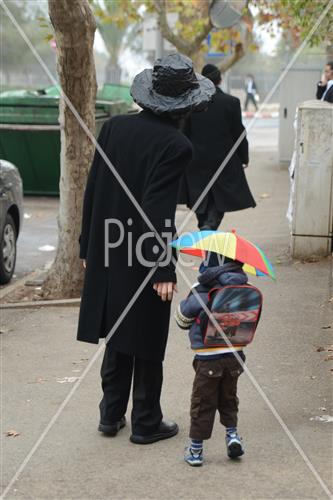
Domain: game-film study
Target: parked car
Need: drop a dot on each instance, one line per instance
(11, 217)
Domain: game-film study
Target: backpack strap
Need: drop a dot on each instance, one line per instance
(203, 318)
(212, 290)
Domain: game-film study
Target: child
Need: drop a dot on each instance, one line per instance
(216, 368)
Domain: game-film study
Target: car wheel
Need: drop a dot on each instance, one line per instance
(7, 250)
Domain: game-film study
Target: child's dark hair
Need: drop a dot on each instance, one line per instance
(214, 259)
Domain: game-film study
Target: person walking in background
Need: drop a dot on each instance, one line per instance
(213, 134)
(325, 86)
(150, 154)
(251, 92)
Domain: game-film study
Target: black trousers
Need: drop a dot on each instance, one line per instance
(214, 388)
(117, 372)
(210, 218)
(250, 98)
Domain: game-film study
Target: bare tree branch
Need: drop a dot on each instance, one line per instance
(182, 45)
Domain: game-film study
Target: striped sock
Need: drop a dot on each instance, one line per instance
(196, 446)
(231, 430)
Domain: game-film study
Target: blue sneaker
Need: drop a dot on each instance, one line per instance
(192, 458)
(234, 445)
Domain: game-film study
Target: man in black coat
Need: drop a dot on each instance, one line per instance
(123, 250)
(325, 86)
(213, 134)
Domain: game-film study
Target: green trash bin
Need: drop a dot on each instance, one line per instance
(30, 135)
(113, 93)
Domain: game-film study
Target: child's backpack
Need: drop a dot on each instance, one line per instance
(236, 309)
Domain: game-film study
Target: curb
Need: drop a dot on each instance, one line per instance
(41, 303)
(263, 114)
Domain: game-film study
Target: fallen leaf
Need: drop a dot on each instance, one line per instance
(12, 433)
(313, 377)
(326, 327)
(329, 358)
(311, 260)
(264, 196)
(320, 349)
(322, 408)
(323, 418)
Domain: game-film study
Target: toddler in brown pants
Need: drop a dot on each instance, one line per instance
(217, 368)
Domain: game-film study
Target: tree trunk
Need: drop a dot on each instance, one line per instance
(74, 26)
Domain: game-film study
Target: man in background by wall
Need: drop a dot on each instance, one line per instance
(325, 86)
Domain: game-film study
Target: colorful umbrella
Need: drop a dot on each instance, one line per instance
(228, 244)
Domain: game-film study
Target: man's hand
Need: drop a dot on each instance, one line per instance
(323, 80)
(165, 290)
(84, 263)
(245, 165)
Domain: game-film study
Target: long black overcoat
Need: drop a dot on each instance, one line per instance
(213, 133)
(150, 154)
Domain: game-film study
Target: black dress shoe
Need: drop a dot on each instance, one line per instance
(165, 430)
(112, 429)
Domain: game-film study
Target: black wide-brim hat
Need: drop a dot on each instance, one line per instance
(172, 87)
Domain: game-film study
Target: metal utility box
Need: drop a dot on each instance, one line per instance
(312, 222)
(299, 85)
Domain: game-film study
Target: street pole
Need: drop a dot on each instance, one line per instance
(159, 43)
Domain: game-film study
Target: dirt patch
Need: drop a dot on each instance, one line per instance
(23, 293)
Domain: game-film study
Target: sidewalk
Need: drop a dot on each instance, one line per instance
(42, 360)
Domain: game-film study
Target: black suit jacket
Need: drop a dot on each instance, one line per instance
(320, 91)
(213, 134)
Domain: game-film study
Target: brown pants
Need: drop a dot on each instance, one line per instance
(214, 388)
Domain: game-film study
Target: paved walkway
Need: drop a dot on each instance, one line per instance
(42, 360)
